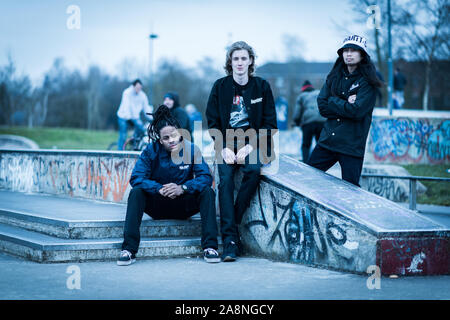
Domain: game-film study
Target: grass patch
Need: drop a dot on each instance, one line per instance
(437, 191)
(65, 138)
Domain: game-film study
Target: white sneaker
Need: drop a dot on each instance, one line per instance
(126, 258)
(211, 255)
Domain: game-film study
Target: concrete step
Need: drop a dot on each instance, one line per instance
(39, 247)
(83, 219)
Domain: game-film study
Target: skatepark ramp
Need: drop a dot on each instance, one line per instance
(299, 214)
(303, 215)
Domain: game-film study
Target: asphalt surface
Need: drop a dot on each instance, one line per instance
(193, 279)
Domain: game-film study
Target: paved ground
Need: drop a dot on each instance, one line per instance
(192, 278)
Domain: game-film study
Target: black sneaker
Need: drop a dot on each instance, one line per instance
(126, 258)
(230, 252)
(211, 255)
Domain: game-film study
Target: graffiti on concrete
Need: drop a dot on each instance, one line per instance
(300, 231)
(405, 140)
(388, 188)
(97, 177)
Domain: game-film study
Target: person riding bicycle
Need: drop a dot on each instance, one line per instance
(133, 102)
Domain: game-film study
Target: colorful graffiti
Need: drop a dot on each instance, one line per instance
(101, 177)
(405, 140)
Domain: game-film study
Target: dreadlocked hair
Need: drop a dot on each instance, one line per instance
(161, 118)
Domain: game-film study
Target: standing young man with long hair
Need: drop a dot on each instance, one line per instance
(347, 100)
(238, 103)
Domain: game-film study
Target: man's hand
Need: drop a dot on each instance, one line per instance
(228, 156)
(171, 190)
(243, 152)
(352, 98)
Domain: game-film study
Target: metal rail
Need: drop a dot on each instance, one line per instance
(412, 184)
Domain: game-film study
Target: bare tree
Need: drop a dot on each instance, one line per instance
(15, 94)
(294, 47)
(427, 34)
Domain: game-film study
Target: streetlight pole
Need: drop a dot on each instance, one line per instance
(390, 69)
(151, 37)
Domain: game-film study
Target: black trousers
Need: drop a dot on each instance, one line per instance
(323, 159)
(180, 208)
(309, 131)
(231, 212)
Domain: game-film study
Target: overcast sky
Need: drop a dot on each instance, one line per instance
(35, 32)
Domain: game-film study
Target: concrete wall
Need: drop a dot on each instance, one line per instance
(93, 175)
(409, 138)
(288, 226)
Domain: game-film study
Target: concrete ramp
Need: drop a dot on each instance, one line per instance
(303, 215)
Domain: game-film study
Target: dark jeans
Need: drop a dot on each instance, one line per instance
(231, 212)
(123, 127)
(159, 207)
(309, 131)
(351, 167)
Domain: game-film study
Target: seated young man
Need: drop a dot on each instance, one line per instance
(167, 189)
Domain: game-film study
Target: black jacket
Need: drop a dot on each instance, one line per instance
(258, 100)
(347, 124)
(155, 168)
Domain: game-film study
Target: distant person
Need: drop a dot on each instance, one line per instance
(193, 114)
(281, 106)
(307, 116)
(172, 101)
(237, 103)
(134, 101)
(399, 87)
(167, 190)
(347, 100)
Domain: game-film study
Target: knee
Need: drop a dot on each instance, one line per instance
(226, 180)
(208, 193)
(252, 171)
(136, 193)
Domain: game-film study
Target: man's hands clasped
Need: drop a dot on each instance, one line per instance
(171, 190)
(230, 158)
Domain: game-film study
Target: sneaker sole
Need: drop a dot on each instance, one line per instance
(229, 259)
(212, 260)
(126, 263)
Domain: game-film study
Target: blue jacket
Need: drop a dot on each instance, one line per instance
(155, 168)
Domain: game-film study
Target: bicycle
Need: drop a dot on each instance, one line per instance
(133, 143)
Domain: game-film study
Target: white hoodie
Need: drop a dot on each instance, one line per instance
(132, 104)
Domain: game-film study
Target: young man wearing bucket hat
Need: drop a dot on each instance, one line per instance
(347, 100)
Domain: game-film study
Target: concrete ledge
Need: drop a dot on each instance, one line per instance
(8, 141)
(303, 215)
(99, 229)
(43, 248)
(396, 190)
